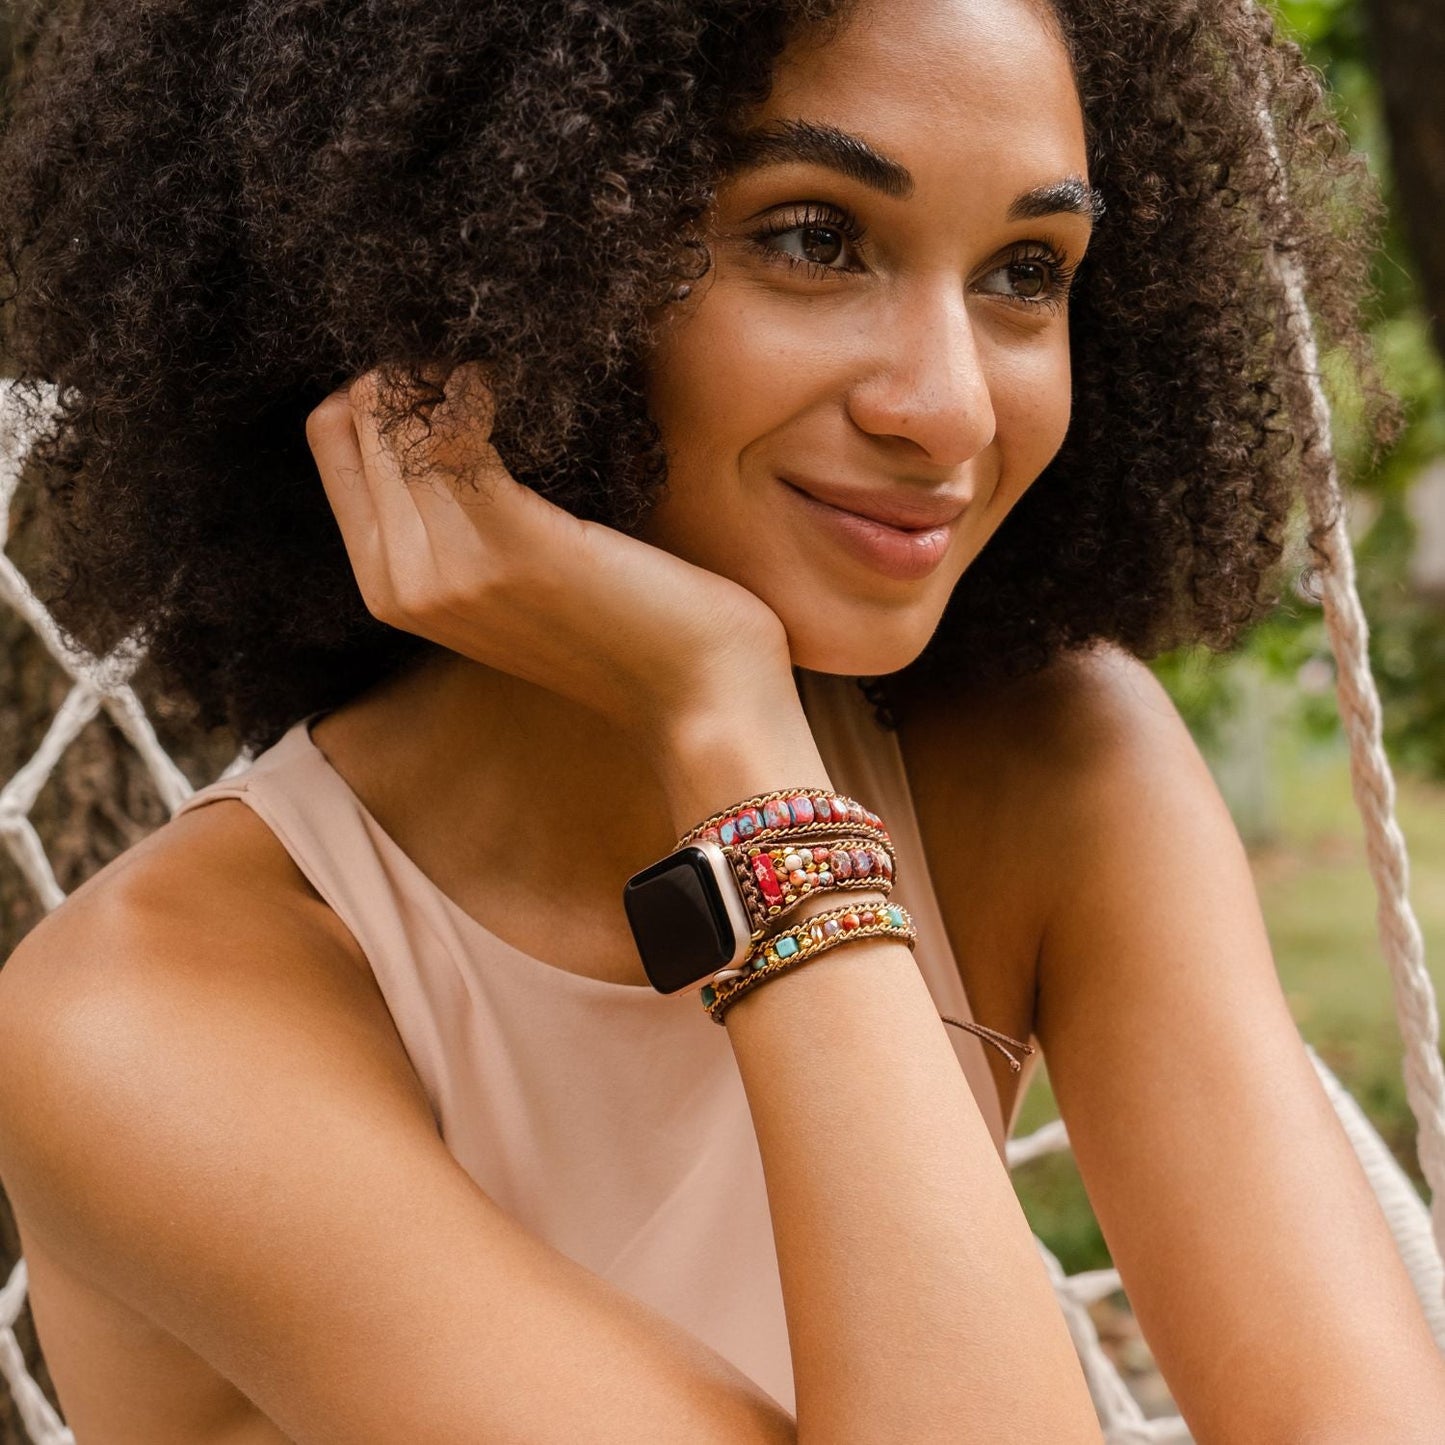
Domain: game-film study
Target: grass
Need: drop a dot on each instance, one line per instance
(1319, 905)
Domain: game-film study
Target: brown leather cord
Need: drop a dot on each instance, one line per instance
(993, 1036)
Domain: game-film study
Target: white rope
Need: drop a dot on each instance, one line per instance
(36, 1412)
(1372, 781)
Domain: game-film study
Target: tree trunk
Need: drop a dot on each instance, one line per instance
(1408, 37)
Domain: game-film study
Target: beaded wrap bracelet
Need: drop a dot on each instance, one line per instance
(800, 827)
(788, 814)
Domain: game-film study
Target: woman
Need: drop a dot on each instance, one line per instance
(343, 1107)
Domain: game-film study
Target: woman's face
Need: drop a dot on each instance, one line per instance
(883, 326)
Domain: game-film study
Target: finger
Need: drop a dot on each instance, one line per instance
(467, 495)
(401, 536)
(331, 435)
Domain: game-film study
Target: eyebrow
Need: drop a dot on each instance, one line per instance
(781, 141)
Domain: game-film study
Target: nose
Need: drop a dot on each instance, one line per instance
(927, 383)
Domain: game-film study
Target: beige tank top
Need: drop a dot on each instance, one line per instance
(610, 1120)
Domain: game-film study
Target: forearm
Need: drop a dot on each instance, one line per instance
(917, 1306)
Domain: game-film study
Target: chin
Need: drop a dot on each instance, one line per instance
(820, 648)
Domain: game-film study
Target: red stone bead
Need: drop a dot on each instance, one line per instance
(767, 880)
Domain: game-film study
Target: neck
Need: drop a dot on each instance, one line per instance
(474, 771)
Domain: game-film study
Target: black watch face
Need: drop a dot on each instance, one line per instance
(679, 920)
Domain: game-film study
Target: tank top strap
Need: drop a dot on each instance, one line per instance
(381, 898)
(298, 797)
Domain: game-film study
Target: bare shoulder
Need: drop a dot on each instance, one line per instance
(1032, 738)
(1091, 703)
(1033, 769)
(206, 920)
(216, 871)
(199, 865)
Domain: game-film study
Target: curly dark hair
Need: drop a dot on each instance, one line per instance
(214, 215)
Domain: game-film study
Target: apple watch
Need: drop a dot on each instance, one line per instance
(688, 917)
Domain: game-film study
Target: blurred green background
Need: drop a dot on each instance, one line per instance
(1265, 716)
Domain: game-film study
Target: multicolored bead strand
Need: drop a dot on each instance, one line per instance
(786, 873)
(771, 813)
(777, 867)
(807, 940)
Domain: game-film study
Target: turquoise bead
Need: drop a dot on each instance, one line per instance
(709, 995)
(785, 947)
(894, 916)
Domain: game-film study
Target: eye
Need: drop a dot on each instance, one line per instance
(1036, 276)
(815, 236)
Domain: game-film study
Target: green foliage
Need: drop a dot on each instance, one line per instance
(1314, 21)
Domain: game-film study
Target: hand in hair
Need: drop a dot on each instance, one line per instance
(447, 545)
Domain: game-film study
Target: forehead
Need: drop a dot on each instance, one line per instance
(939, 83)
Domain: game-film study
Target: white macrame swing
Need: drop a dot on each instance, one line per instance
(1419, 1233)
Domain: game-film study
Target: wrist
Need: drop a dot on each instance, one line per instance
(711, 760)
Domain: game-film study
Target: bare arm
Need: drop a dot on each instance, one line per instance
(1252, 1248)
(918, 1309)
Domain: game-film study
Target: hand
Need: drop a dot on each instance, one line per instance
(457, 551)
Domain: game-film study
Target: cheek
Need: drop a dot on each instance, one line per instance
(711, 390)
(712, 379)
(1032, 393)
(739, 364)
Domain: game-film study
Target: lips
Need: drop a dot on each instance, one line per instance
(913, 512)
(905, 554)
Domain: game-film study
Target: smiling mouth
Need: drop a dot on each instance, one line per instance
(908, 516)
(904, 554)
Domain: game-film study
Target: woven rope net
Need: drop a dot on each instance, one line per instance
(1419, 1233)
